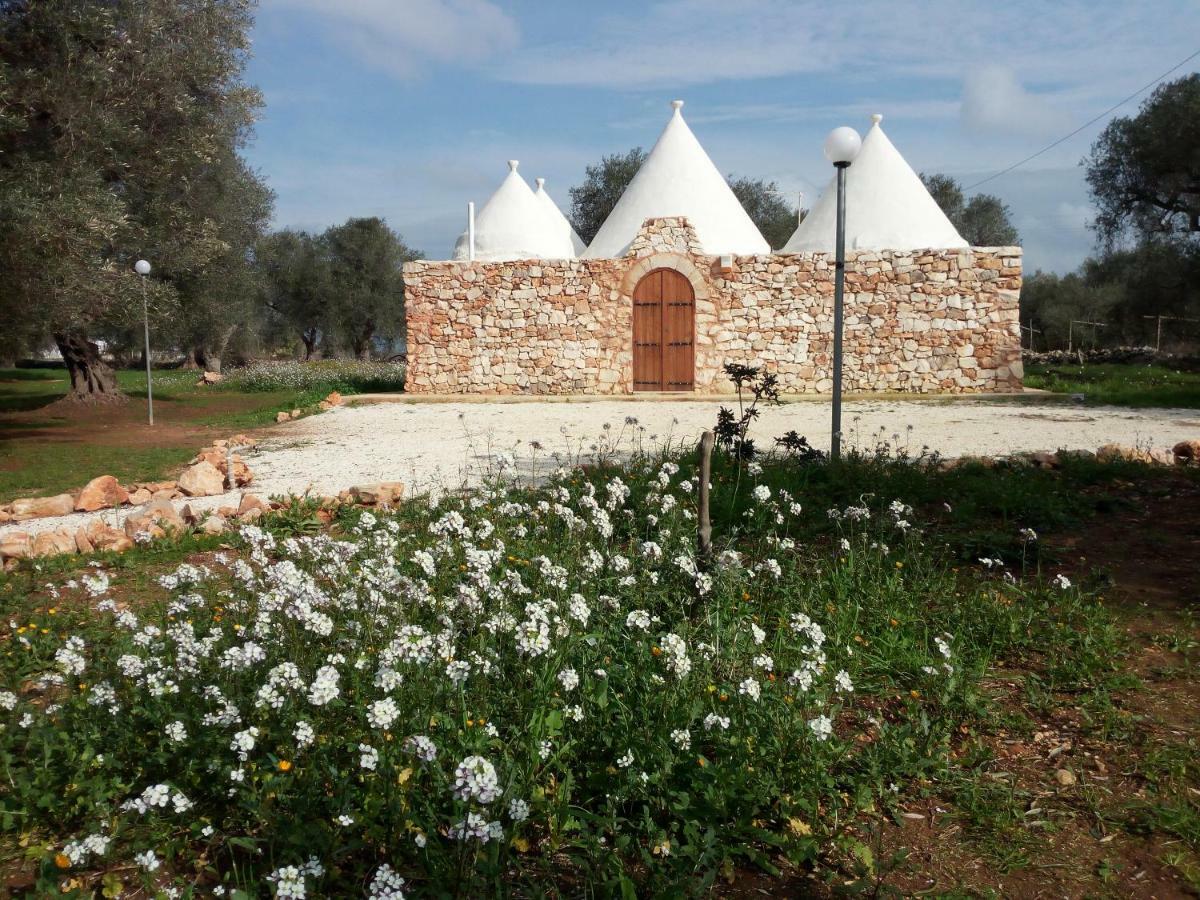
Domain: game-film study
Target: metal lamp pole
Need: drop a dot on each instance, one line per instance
(841, 147)
(839, 289)
(142, 267)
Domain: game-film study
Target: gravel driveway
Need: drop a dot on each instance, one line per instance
(427, 445)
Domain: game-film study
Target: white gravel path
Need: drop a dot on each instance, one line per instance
(429, 445)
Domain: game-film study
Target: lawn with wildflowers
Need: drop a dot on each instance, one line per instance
(532, 690)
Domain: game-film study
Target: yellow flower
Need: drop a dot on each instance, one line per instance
(285, 765)
(61, 861)
(657, 651)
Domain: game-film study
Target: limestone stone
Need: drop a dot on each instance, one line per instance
(214, 525)
(83, 543)
(249, 502)
(281, 417)
(202, 480)
(38, 507)
(378, 492)
(139, 496)
(1187, 453)
(103, 492)
(15, 545)
(52, 543)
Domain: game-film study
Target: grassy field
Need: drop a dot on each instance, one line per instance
(47, 448)
(1119, 384)
(893, 687)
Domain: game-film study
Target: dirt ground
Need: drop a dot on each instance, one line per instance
(1083, 840)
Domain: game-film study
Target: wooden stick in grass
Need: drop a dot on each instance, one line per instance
(704, 548)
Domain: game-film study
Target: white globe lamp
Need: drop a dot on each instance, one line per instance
(142, 267)
(842, 145)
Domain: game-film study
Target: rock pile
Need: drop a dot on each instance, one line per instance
(206, 475)
(334, 399)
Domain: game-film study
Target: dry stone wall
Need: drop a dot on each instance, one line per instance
(918, 321)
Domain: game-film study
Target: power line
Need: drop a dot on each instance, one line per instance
(1087, 124)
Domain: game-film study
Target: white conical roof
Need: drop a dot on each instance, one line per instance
(513, 225)
(678, 179)
(887, 206)
(557, 217)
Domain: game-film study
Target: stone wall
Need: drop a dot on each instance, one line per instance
(921, 321)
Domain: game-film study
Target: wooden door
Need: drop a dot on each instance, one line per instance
(664, 326)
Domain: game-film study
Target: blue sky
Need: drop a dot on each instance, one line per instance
(407, 109)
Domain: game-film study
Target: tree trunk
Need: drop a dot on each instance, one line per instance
(362, 344)
(92, 381)
(192, 360)
(309, 336)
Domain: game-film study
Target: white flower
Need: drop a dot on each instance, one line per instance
(289, 883)
(344, 820)
(518, 810)
(750, 688)
(386, 884)
(568, 679)
(677, 660)
(147, 860)
(757, 633)
(324, 688)
(304, 734)
(243, 742)
(176, 731)
(369, 759)
(382, 713)
(639, 619)
(682, 739)
(476, 827)
(625, 761)
(822, 727)
(762, 493)
(8, 700)
(458, 671)
(422, 747)
(843, 682)
(475, 779)
(1062, 581)
(712, 720)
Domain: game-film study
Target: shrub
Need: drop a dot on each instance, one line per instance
(345, 376)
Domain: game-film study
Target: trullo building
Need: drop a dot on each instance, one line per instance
(514, 224)
(678, 179)
(557, 217)
(887, 206)
(679, 281)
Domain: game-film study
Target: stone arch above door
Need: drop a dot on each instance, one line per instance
(676, 261)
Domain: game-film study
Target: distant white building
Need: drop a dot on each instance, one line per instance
(515, 224)
(887, 206)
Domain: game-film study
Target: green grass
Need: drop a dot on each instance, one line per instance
(1119, 384)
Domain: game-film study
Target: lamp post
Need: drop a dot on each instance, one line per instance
(841, 146)
(143, 269)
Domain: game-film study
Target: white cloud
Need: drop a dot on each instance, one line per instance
(402, 36)
(994, 101)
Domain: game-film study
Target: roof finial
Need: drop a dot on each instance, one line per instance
(877, 118)
(676, 105)
(540, 182)
(513, 163)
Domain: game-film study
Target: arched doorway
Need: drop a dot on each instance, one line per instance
(664, 332)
